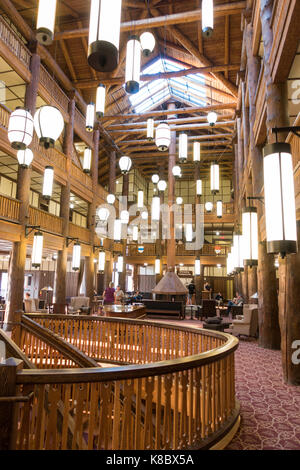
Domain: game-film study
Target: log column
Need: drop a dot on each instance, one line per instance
(125, 193)
(18, 253)
(159, 240)
(198, 279)
(171, 244)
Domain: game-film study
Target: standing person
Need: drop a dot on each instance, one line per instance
(191, 293)
(109, 294)
(119, 295)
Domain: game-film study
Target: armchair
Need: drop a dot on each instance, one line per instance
(246, 324)
(79, 305)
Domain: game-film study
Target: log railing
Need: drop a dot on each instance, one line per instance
(83, 234)
(9, 208)
(4, 116)
(45, 220)
(14, 43)
(184, 400)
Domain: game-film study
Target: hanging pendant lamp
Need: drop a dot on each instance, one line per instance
(87, 160)
(76, 257)
(250, 236)
(25, 158)
(20, 129)
(133, 65)
(90, 117)
(150, 129)
(207, 18)
(163, 136)
(48, 182)
(46, 21)
(37, 250)
(101, 262)
(100, 101)
(214, 178)
(48, 124)
(147, 41)
(197, 151)
(125, 164)
(183, 147)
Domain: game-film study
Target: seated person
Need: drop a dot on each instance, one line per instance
(137, 297)
(219, 298)
(207, 286)
(119, 295)
(237, 300)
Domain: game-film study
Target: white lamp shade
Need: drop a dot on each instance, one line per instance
(25, 157)
(37, 249)
(163, 137)
(176, 170)
(199, 187)
(197, 151)
(120, 264)
(197, 267)
(87, 160)
(124, 216)
(101, 261)
(46, 21)
(150, 129)
(155, 179)
(144, 215)
(117, 230)
(147, 41)
(219, 209)
(100, 101)
(48, 182)
(140, 200)
(207, 17)
(20, 129)
(90, 117)
(103, 214)
(155, 208)
(189, 232)
(125, 164)
(238, 259)
(135, 233)
(250, 236)
(280, 207)
(111, 198)
(76, 257)
(179, 200)
(104, 34)
(162, 185)
(133, 65)
(157, 266)
(48, 124)
(214, 178)
(183, 147)
(212, 118)
(209, 206)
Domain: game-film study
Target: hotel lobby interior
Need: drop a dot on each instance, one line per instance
(149, 225)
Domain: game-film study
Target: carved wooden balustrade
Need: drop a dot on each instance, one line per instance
(9, 208)
(45, 220)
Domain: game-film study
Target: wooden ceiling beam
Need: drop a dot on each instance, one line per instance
(180, 127)
(192, 137)
(174, 121)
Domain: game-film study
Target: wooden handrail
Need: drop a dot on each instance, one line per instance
(12, 350)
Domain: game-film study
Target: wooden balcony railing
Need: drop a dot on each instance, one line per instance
(53, 89)
(83, 234)
(45, 220)
(4, 116)
(14, 43)
(177, 392)
(9, 208)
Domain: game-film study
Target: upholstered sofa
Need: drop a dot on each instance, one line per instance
(79, 305)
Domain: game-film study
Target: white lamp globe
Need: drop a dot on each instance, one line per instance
(125, 164)
(163, 137)
(162, 185)
(209, 206)
(147, 41)
(124, 216)
(103, 214)
(176, 170)
(20, 129)
(212, 118)
(155, 179)
(25, 157)
(111, 198)
(179, 200)
(144, 215)
(48, 124)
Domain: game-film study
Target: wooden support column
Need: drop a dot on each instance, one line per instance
(112, 173)
(122, 276)
(245, 123)
(252, 281)
(18, 254)
(198, 279)
(171, 244)
(244, 276)
(159, 241)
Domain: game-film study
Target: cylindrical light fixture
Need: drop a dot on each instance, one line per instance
(212, 118)
(238, 252)
(25, 157)
(157, 266)
(87, 160)
(163, 136)
(48, 124)
(209, 206)
(199, 187)
(219, 209)
(207, 18)
(135, 233)
(179, 200)
(104, 34)
(90, 117)
(125, 164)
(280, 199)
(155, 208)
(45, 21)
(20, 129)
(161, 185)
(197, 151)
(133, 65)
(183, 147)
(111, 198)
(117, 230)
(176, 170)
(120, 264)
(197, 267)
(147, 41)
(48, 182)
(150, 129)
(214, 178)
(100, 101)
(124, 216)
(155, 179)
(140, 199)
(76, 256)
(250, 236)
(37, 250)
(101, 262)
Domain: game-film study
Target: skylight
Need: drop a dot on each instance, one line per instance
(188, 89)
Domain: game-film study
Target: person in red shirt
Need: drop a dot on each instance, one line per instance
(109, 294)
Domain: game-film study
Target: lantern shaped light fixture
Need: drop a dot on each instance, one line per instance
(140, 199)
(157, 266)
(199, 187)
(100, 101)
(163, 136)
(117, 230)
(87, 160)
(155, 179)
(155, 208)
(212, 118)
(219, 209)
(120, 264)
(179, 200)
(144, 215)
(133, 65)
(214, 178)
(101, 261)
(125, 164)
(176, 170)
(90, 117)
(209, 206)
(46, 21)
(250, 236)
(48, 124)
(162, 185)
(103, 214)
(124, 217)
(207, 18)
(76, 256)
(197, 267)
(197, 151)
(20, 129)
(111, 198)
(135, 233)
(147, 41)
(183, 147)
(238, 258)
(48, 182)
(104, 35)
(280, 199)
(37, 250)
(25, 158)
(150, 129)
